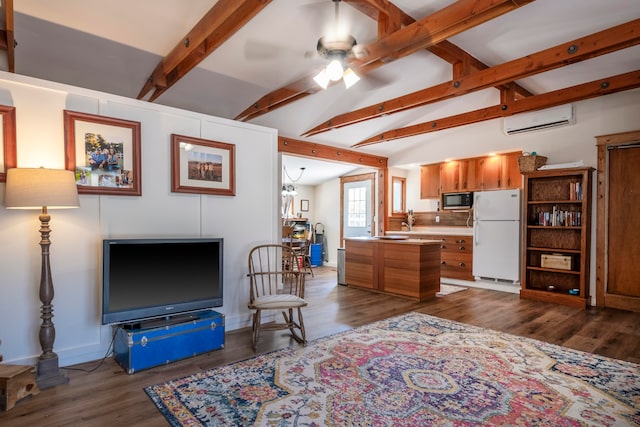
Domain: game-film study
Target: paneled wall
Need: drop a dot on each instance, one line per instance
(77, 233)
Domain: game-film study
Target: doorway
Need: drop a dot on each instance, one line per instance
(357, 206)
(618, 240)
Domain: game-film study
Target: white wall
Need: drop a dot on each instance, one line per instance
(77, 233)
(327, 200)
(305, 192)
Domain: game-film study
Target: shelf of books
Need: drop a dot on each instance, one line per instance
(556, 236)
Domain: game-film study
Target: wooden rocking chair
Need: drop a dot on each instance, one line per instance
(277, 283)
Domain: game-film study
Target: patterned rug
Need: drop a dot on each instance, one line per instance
(410, 370)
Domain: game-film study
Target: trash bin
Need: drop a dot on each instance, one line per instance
(315, 254)
(341, 276)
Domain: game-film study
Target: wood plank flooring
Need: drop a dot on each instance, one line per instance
(107, 396)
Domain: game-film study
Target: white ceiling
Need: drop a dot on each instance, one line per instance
(113, 46)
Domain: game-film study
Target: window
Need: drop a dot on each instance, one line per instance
(398, 194)
(357, 209)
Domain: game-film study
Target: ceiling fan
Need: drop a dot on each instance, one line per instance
(336, 49)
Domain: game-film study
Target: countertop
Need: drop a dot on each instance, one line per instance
(395, 239)
(455, 231)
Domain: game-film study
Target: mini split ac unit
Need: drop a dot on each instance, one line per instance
(537, 120)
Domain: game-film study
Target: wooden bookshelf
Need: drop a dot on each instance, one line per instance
(556, 236)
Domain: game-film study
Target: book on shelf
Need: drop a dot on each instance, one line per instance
(575, 191)
(560, 218)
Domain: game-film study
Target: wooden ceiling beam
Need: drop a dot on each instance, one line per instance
(580, 92)
(327, 152)
(422, 34)
(430, 30)
(603, 42)
(445, 50)
(216, 26)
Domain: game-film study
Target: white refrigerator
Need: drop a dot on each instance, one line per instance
(496, 235)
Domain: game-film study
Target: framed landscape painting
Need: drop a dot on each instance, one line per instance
(202, 167)
(104, 153)
(8, 157)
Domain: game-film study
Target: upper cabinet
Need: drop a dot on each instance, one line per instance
(488, 172)
(510, 176)
(498, 172)
(430, 181)
(467, 174)
(457, 175)
(449, 177)
(480, 173)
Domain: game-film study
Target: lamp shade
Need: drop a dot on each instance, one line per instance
(35, 188)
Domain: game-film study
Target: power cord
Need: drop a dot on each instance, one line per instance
(109, 350)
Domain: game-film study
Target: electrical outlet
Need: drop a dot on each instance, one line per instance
(437, 218)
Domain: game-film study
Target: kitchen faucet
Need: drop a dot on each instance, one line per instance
(410, 220)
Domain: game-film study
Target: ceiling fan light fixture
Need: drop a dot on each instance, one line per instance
(337, 51)
(335, 70)
(350, 78)
(322, 79)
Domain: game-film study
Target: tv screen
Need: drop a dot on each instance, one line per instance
(150, 278)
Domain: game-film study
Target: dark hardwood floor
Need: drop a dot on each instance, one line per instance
(107, 396)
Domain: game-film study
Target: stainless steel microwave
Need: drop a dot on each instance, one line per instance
(457, 200)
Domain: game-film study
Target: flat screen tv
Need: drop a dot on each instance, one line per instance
(151, 278)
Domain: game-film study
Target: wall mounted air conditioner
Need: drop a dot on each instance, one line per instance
(536, 120)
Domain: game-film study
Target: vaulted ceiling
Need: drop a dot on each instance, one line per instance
(426, 65)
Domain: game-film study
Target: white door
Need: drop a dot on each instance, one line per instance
(357, 212)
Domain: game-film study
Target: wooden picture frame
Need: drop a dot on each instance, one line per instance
(201, 166)
(8, 156)
(304, 205)
(117, 170)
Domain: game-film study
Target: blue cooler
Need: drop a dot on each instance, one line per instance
(315, 254)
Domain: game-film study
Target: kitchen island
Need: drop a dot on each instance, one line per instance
(456, 249)
(395, 265)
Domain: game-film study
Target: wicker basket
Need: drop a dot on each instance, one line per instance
(530, 163)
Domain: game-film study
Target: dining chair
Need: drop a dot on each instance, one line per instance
(277, 283)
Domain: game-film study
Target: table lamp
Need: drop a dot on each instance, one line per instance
(40, 188)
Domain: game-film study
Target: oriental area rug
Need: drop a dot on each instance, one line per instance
(410, 370)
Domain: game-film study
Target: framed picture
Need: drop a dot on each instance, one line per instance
(304, 205)
(202, 167)
(8, 157)
(104, 153)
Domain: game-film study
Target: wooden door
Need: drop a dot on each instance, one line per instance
(623, 264)
(430, 181)
(510, 176)
(618, 238)
(450, 177)
(467, 174)
(488, 173)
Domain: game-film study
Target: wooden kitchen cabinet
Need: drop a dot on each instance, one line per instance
(361, 264)
(467, 174)
(556, 236)
(457, 175)
(480, 173)
(407, 268)
(510, 176)
(456, 255)
(449, 177)
(430, 181)
(488, 173)
(498, 172)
